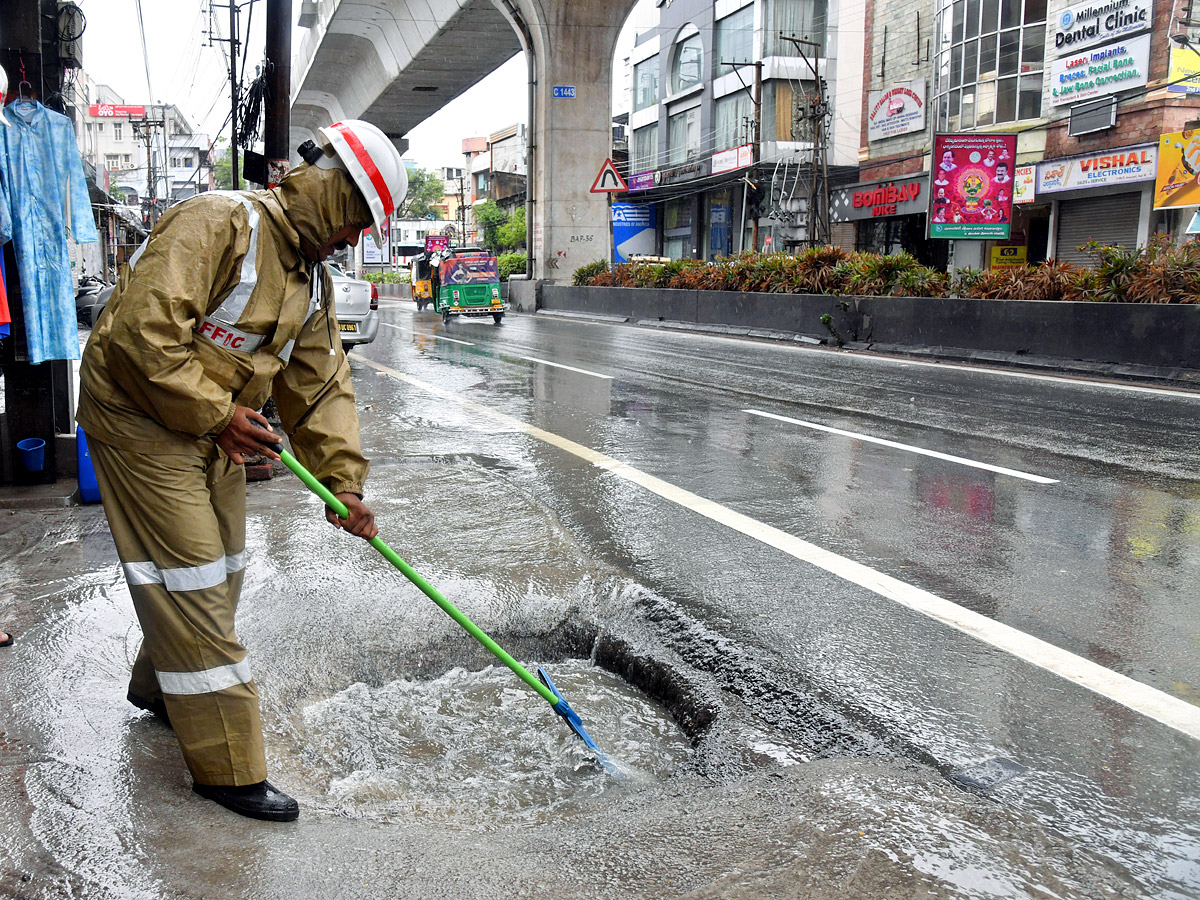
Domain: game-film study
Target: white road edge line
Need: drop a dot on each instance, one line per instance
(854, 435)
(436, 337)
(546, 362)
(1178, 714)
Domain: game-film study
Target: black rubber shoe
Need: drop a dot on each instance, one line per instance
(155, 706)
(256, 801)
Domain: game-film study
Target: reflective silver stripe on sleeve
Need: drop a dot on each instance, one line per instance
(235, 562)
(207, 681)
(286, 352)
(184, 578)
(232, 307)
(137, 254)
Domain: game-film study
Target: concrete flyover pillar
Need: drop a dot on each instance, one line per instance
(572, 44)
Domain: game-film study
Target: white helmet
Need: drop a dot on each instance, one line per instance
(3, 91)
(373, 162)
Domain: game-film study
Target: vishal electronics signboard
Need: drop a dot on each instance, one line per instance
(1100, 71)
(1099, 170)
(1087, 24)
(971, 193)
(896, 110)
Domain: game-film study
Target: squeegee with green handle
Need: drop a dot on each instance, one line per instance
(544, 688)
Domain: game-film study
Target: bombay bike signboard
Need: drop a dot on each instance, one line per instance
(114, 110)
(1098, 170)
(896, 110)
(1100, 71)
(1087, 24)
(879, 199)
(971, 192)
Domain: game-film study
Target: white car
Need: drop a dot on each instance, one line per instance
(356, 303)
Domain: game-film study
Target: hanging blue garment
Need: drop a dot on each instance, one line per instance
(45, 196)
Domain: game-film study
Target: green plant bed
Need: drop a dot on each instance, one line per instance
(1160, 272)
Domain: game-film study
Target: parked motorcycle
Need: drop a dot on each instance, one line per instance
(90, 297)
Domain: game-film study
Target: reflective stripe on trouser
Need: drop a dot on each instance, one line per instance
(179, 523)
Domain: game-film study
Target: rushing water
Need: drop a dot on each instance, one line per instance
(474, 746)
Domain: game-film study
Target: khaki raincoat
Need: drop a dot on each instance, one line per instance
(217, 309)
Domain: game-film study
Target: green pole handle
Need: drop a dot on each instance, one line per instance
(415, 577)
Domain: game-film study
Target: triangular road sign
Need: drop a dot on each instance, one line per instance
(609, 180)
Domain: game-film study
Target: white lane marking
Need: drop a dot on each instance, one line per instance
(854, 435)
(546, 362)
(436, 337)
(1181, 392)
(1142, 698)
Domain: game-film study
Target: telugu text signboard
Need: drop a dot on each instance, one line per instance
(1101, 71)
(1086, 24)
(896, 110)
(1098, 170)
(971, 192)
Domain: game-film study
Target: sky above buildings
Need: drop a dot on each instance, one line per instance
(189, 69)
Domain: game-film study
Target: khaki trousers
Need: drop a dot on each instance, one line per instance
(179, 523)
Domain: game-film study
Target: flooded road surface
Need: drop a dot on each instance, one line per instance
(782, 731)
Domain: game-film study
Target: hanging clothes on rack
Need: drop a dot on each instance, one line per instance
(45, 199)
(5, 225)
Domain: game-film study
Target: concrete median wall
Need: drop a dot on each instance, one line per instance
(1131, 334)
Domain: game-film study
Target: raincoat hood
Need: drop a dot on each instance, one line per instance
(318, 203)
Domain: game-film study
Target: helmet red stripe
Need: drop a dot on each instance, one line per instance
(364, 159)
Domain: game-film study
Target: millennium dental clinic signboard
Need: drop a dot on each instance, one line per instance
(970, 194)
(1100, 49)
(1100, 71)
(896, 110)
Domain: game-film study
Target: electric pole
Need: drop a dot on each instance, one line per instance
(462, 213)
(143, 130)
(233, 42)
(278, 100)
(815, 114)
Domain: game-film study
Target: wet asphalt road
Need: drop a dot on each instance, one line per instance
(648, 500)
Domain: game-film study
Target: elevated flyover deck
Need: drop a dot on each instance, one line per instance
(396, 62)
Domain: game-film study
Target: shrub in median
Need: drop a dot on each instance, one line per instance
(1160, 272)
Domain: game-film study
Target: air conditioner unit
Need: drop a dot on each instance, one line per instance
(1097, 115)
(308, 14)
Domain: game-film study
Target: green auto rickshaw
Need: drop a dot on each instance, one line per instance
(468, 284)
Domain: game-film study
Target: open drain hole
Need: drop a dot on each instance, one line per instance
(472, 746)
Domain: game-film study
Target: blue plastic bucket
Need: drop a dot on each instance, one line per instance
(89, 489)
(33, 454)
